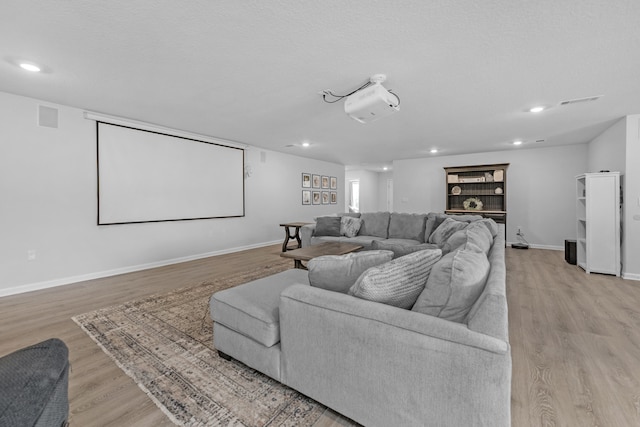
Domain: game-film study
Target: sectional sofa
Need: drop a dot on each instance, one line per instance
(433, 355)
(392, 229)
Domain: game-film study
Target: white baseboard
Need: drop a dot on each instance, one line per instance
(630, 276)
(129, 269)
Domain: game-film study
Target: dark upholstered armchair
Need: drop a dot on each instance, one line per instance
(34, 386)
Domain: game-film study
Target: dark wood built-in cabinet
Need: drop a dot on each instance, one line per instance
(486, 184)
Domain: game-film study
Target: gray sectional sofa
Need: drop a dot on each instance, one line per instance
(391, 228)
(433, 355)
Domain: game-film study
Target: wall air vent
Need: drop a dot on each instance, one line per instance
(580, 100)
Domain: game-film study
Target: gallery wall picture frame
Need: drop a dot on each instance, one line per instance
(306, 180)
(315, 181)
(325, 198)
(334, 197)
(325, 182)
(334, 183)
(316, 197)
(306, 197)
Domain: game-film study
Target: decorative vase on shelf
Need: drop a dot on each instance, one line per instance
(498, 190)
(472, 204)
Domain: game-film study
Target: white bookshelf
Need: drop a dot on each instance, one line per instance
(598, 222)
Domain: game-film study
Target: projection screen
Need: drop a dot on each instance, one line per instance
(146, 176)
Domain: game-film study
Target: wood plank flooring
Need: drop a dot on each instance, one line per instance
(575, 340)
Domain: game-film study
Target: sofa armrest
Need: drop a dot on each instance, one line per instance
(306, 232)
(381, 365)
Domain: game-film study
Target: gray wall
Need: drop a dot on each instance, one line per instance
(48, 188)
(540, 188)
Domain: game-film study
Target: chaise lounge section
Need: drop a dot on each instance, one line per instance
(375, 363)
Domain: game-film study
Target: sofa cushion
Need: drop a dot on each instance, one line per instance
(251, 309)
(375, 224)
(398, 282)
(407, 226)
(364, 241)
(328, 226)
(445, 230)
(454, 285)
(339, 272)
(349, 226)
(401, 249)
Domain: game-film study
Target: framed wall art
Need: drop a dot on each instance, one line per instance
(316, 197)
(306, 180)
(306, 197)
(325, 182)
(315, 181)
(334, 197)
(325, 198)
(334, 183)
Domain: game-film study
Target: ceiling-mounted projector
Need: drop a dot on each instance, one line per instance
(372, 102)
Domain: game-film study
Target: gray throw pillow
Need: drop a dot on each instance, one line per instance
(445, 230)
(400, 249)
(491, 225)
(457, 241)
(398, 282)
(339, 272)
(454, 285)
(434, 220)
(479, 238)
(327, 226)
(349, 226)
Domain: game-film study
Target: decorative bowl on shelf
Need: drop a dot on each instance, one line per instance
(498, 190)
(472, 204)
(456, 190)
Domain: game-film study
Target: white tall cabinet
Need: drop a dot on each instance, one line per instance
(598, 222)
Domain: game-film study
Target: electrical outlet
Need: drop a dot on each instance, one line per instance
(31, 255)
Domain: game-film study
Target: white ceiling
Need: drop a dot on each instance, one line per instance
(250, 71)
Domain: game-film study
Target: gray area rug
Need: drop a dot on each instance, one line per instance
(164, 342)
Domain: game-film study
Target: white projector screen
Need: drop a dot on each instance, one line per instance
(146, 176)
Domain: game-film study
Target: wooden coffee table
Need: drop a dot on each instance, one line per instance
(327, 248)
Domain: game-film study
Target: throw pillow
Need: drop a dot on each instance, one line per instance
(479, 238)
(456, 241)
(435, 219)
(491, 225)
(339, 272)
(445, 230)
(454, 285)
(400, 249)
(349, 226)
(328, 226)
(398, 282)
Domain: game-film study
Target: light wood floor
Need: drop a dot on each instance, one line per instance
(575, 340)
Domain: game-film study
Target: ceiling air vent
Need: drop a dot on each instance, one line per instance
(580, 100)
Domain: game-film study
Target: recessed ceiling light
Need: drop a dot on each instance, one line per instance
(305, 144)
(385, 168)
(29, 67)
(517, 142)
(536, 109)
(433, 151)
